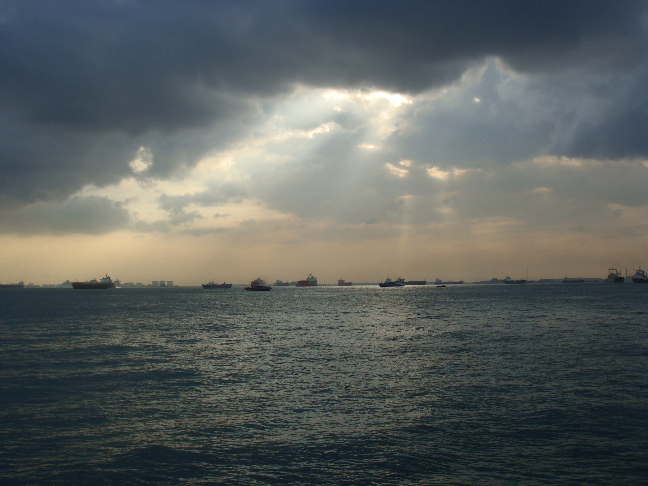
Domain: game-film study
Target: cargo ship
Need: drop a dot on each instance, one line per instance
(309, 282)
(279, 283)
(399, 282)
(640, 276)
(343, 283)
(19, 285)
(214, 285)
(438, 281)
(509, 280)
(614, 276)
(104, 283)
(258, 285)
(416, 282)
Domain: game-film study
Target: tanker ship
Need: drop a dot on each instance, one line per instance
(309, 282)
(104, 283)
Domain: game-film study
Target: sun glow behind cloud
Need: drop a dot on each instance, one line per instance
(444, 175)
(293, 149)
(276, 141)
(350, 166)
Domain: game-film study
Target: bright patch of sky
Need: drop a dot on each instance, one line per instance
(290, 133)
(468, 160)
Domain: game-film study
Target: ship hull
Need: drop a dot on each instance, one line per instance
(217, 286)
(392, 284)
(514, 282)
(416, 282)
(615, 279)
(310, 281)
(12, 286)
(640, 276)
(259, 288)
(93, 286)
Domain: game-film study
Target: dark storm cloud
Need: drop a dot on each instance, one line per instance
(84, 84)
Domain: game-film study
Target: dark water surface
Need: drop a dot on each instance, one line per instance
(534, 384)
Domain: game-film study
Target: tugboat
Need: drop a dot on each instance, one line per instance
(343, 283)
(309, 282)
(614, 276)
(214, 285)
(104, 283)
(640, 276)
(400, 282)
(258, 285)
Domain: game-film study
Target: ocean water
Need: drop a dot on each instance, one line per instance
(468, 384)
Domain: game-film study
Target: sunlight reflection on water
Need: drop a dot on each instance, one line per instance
(357, 385)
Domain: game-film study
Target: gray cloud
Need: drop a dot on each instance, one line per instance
(88, 215)
(184, 217)
(198, 232)
(83, 85)
(159, 226)
(215, 196)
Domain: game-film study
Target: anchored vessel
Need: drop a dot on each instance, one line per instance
(640, 276)
(19, 285)
(438, 281)
(509, 280)
(279, 283)
(342, 283)
(258, 285)
(400, 282)
(309, 282)
(104, 283)
(416, 282)
(214, 285)
(573, 280)
(614, 276)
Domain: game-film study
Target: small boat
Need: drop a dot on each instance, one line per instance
(342, 283)
(400, 282)
(214, 285)
(309, 282)
(509, 280)
(441, 286)
(614, 276)
(640, 276)
(258, 285)
(104, 283)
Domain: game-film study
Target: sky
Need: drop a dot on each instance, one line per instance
(229, 140)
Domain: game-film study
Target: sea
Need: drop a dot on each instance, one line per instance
(534, 384)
